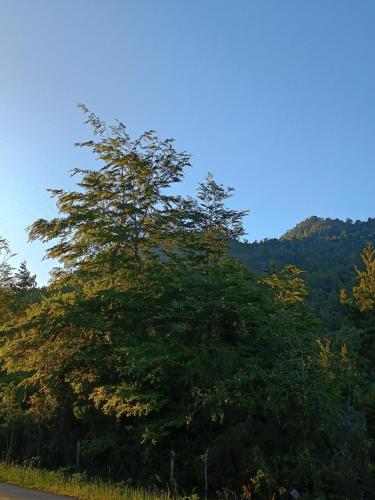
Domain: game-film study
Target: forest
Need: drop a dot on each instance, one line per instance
(167, 351)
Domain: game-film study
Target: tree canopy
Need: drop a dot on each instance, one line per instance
(152, 337)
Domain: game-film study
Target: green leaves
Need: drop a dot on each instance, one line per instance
(364, 292)
(287, 286)
(150, 338)
(121, 210)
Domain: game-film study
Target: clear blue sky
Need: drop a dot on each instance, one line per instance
(276, 98)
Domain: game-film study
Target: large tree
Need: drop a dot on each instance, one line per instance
(120, 211)
(144, 289)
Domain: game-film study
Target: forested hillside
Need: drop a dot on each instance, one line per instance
(326, 249)
(156, 357)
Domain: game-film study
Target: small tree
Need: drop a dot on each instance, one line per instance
(23, 279)
(6, 270)
(362, 298)
(6, 281)
(208, 223)
(364, 292)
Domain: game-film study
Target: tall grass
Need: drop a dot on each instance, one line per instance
(76, 485)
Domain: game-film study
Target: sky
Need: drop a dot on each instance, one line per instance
(275, 98)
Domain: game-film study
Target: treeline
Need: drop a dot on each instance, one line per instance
(326, 249)
(151, 339)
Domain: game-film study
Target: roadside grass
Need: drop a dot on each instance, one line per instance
(75, 485)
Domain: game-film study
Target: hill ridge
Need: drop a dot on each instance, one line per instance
(327, 249)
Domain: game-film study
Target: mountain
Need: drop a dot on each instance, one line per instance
(326, 249)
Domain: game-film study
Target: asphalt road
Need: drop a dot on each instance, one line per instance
(11, 492)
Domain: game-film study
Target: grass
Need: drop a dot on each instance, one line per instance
(76, 485)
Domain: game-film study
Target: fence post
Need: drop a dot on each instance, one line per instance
(172, 481)
(172, 465)
(78, 453)
(206, 476)
(204, 458)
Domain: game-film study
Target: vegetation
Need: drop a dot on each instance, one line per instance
(156, 356)
(77, 485)
(326, 249)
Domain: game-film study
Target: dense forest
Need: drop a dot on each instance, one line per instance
(326, 249)
(167, 351)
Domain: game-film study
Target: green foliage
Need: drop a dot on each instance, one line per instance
(24, 281)
(122, 210)
(316, 227)
(361, 305)
(364, 293)
(152, 338)
(287, 286)
(326, 250)
(6, 281)
(6, 276)
(361, 302)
